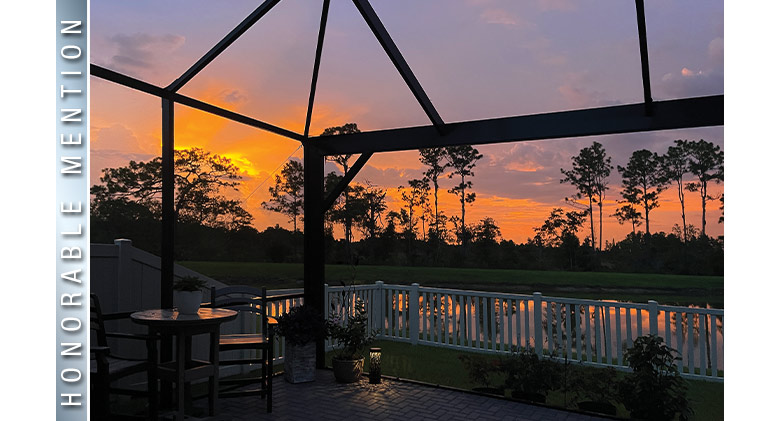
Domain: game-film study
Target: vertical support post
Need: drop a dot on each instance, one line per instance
(168, 211)
(376, 309)
(167, 240)
(538, 322)
(652, 310)
(314, 236)
(325, 306)
(326, 300)
(125, 299)
(414, 313)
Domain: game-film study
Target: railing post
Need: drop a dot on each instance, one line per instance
(128, 296)
(414, 313)
(652, 310)
(326, 310)
(538, 322)
(326, 301)
(376, 309)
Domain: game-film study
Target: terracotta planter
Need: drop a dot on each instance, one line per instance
(347, 371)
(187, 302)
(299, 363)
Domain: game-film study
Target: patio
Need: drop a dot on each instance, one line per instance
(325, 399)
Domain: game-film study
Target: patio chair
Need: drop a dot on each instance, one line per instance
(106, 367)
(258, 343)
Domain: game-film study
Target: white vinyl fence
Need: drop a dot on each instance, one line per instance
(589, 331)
(593, 332)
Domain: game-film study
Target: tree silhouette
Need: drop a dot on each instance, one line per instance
(373, 199)
(199, 180)
(705, 161)
(287, 192)
(413, 196)
(343, 162)
(642, 184)
(462, 160)
(558, 226)
(674, 166)
(627, 213)
(690, 232)
(436, 161)
(589, 173)
(486, 231)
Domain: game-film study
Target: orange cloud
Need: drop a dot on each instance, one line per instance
(523, 166)
(690, 73)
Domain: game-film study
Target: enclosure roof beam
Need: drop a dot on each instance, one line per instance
(344, 182)
(642, 27)
(148, 88)
(397, 58)
(673, 114)
(316, 71)
(222, 45)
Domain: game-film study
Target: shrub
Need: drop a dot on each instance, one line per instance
(480, 369)
(301, 325)
(527, 373)
(354, 336)
(654, 390)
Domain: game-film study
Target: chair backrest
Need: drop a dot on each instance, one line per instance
(96, 325)
(243, 299)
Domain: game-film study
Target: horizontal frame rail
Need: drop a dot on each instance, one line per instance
(673, 114)
(139, 85)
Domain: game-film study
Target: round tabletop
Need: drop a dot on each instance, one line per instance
(172, 318)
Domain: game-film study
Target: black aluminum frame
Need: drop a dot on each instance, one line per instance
(646, 116)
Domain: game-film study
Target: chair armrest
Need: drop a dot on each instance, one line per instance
(100, 350)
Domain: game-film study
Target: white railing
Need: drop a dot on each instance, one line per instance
(588, 331)
(276, 307)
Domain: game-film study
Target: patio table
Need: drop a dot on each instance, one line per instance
(183, 369)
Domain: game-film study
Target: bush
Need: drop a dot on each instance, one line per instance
(654, 390)
(354, 336)
(527, 373)
(594, 389)
(301, 325)
(480, 369)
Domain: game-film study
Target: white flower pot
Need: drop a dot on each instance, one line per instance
(187, 302)
(299, 363)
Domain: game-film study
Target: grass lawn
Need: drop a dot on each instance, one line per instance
(666, 289)
(441, 366)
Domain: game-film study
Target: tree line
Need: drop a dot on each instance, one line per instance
(127, 204)
(643, 179)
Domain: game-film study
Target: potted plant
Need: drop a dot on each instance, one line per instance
(654, 390)
(351, 339)
(188, 294)
(481, 370)
(595, 389)
(300, 327)
(529, 377)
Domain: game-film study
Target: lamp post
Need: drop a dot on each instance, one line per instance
(375, 366)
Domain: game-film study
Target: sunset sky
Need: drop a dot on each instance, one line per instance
(475, 59)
